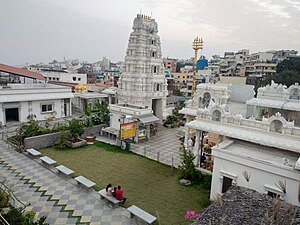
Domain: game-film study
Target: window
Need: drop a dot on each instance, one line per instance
(276, 126)
(74, 78)
(153, 54)
(157, 87)
(227, 182)
(154, 69)
(79, 79)
(47, 108)
(273, 191)
(216, 115)
(272, 194)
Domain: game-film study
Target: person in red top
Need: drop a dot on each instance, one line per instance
(119, 195)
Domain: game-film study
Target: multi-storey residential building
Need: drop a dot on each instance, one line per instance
(284, 54)
(63, 76)
(170, 64)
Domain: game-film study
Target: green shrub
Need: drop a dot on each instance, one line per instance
(29, 130)
(187, 167)
(97, 114)
(4, 199)
(76, 129)
(63, 137)
(15, 217)
(205, 181)
(171, 119)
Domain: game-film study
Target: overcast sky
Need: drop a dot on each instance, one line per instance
(42, 30)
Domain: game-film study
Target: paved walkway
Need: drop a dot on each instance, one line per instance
(46, 193)
(163, 147)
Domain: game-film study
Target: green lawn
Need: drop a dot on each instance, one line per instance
(147, 184)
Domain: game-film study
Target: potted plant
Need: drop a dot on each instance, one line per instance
(76, 129)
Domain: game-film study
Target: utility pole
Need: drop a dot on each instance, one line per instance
(197, 44)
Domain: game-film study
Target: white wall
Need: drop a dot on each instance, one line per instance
(240, 92)
(261, 174)
(2, 119)
(66, 77)
(37, 110)
(232, 80)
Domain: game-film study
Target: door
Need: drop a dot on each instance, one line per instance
(12, 115)
(227, 182)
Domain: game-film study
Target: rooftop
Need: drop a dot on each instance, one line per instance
(249, 133)
(32, 86)
(241, 205)
(275, 103)
(21, 72)
(90, 95)
(274, 156)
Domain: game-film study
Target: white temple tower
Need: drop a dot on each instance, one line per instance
(142, 82)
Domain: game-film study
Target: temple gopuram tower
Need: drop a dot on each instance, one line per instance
(142, 82)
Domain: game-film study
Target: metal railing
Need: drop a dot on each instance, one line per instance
(164, 157)
(13, 198)
(3, 221)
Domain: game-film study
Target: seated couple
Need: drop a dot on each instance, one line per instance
(116, 192)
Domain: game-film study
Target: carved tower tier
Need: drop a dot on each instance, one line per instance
(142, 82)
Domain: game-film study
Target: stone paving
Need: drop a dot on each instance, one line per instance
(162, 147)
(48, 194)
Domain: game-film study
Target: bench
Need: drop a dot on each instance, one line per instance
(64, 170)
(33, 152)
(136, 211)
(47, 160)
(84, 181)
(111, 199)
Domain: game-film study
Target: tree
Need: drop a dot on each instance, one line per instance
(287, 77)
(179, 66)
(76, 129)
(103, 112)
(96, 115)
(177, 92)
(187, 167)
(287, 73)
(292, 64)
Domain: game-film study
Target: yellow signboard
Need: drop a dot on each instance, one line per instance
(127, 130)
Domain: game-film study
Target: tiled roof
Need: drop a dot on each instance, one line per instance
(240, 205)
(21, 72)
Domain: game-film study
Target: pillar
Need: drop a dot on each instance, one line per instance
(187, 131)
(148, 131)
(196, 148)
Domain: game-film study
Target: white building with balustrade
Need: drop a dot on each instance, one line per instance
(266, 149)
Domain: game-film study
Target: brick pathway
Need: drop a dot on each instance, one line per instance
(162, 147)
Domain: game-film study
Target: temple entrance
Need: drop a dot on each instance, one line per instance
(12, 115)
(157, 108)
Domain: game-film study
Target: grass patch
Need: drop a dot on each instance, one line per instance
(147, 184)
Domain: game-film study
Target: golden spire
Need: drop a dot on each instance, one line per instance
(197, 44)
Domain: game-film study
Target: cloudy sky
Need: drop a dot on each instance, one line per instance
(42, 30)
